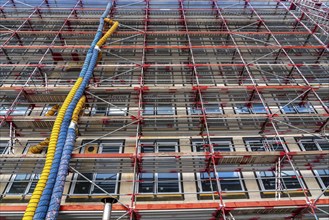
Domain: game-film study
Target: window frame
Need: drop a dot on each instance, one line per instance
(192, 110)
(213, 141)
(311, 140)
(319, 177)
(294, 108)
(238, 178)
(241, 108)
(156, 145)
(29, 181)
(114, 105)
(5, 108)
(198, 175)
(260, 178)
(108, 110)
(154, 108)
(269, 141)
(92, 187)
(4, 144)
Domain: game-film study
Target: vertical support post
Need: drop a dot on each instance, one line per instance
(107, 212)
(139, 115)
(205, 127)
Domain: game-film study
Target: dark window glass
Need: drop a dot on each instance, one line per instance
(105, 181)
(229, 181)
(168, 182)
(82, 186)
(313, 144)
(146, 184)
(22, 183)
(324, 176)
(159, 182)
(260, 144)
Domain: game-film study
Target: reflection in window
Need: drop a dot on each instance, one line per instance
(160, 109)
(264, 144)
(256, 108)
(293, 108)
(209, 109)
(313, 144)
(157, 183)
(16, 110)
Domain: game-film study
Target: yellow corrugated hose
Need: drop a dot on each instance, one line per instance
(108, 33)
(52, 111)
(38, 148)
(78, 108)
(33, 203)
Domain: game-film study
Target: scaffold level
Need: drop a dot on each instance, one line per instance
(192, 109)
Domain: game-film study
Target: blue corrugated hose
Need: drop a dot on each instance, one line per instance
(86, 74)
(58, 190)
(62, 173)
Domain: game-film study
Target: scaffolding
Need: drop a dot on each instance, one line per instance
(193, 89)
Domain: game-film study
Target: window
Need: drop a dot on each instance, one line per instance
(264, 144)
(289, 186)
(209, 109)
(22, 184)
(158, 75)
(121, 75)
(313, 144)
(159, 183)
(160, 109)
(4, 147)
(16, 111)
(219, 145)
(117, 106)
(205, 73)
(256, 108)
(108, 110)
(107, 181)
(98, 110)
(229, 181)
(323, 179)
(293, 108)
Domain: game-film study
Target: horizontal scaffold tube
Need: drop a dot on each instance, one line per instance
(60, 128)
